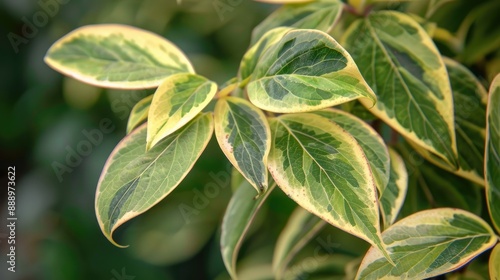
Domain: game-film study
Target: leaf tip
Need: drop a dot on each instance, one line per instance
(386, 254)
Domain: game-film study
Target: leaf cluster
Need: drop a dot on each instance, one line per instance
(350, 109)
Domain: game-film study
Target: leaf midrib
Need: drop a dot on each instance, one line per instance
(166, 120)
(323, 170)
(174, 141)
(434, 247)
(241, 139)
(407, 91)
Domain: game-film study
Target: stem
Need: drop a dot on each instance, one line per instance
(226, 91)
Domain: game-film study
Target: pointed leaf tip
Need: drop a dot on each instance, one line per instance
(243, 134)
(133, 181)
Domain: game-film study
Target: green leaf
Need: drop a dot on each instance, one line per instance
(404, 68)
(430, 187)
(370, 141)
(178, 100)
(480, 32)
(139, 113)
(323, 267)
(494, 268)
(239, 215)
(470, 99)
(322, 167)
(427, 244)
(393, 196)
(254, 54)
(492, 154)
(305, 70)
(116, 56)
(434, 6)
(320, 15)
(133, 181)
(301, 227)
(244, 136)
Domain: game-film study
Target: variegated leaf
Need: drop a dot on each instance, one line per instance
(322, 167)
(306, 70)
(132, 180)
(393, 196)
(254, 54)
(239, 215)
(178, 99)
(301, 227)
(469, 98)
(427, 244)
(320, 15)
(139, 113)
(117, 56)
(402, 65)
(373, 145)
(492, 154)
(243, 135)
(494, 263)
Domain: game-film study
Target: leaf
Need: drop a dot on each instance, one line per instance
(132, 181)
(139, 113)
(494, 268)
(305, 70)
(325, 267)
(370, 141)
(244, 136)
(178, 100)
(430, 187)
(239, 215)
(319, 15)
(322, 168)
(405, 70)
(301, 227)
(427, 244)
(435, 5)
(480, 32)
(492, 153)
(393, 196)
(254, 54)
(469, 98)
(116, 56)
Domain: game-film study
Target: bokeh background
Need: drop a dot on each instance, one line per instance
(45, 120)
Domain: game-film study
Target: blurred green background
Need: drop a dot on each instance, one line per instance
(45, 118)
